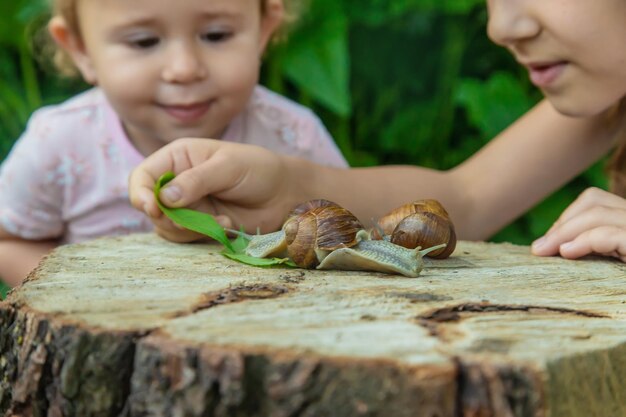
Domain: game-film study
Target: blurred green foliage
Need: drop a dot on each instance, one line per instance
(3, 290)
(396, 82)
(411, 82)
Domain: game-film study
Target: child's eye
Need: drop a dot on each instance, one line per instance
(217, 36)
(144, 43)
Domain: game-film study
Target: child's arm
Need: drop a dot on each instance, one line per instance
(594, 223)
(535, 156)
(18, 257)
(254, 187)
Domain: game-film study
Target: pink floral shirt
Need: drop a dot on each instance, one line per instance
(67, 175)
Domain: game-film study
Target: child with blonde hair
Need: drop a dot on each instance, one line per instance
(574, 52)
(159, 73)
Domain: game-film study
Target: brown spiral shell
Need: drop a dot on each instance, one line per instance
(319, 225)
(423, 223)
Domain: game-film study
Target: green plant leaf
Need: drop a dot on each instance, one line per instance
(4, 289)
(262, 262)
(199, 222)
(494, 104)
(318, 61)
(206, 224)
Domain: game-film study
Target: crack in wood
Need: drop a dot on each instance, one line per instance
(433, 319)
(505, 390)
(234, 295)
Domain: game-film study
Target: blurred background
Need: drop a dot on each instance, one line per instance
(395, 82)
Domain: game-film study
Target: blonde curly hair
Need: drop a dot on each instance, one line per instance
(67, 9)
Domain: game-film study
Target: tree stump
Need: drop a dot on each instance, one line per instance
(137, 326)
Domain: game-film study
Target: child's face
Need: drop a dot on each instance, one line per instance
(174, 71)
(575, 50)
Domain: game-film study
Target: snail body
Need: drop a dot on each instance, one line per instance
(378, 256)
(268, 245)
(423, 223)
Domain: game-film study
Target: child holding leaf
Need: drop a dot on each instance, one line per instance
(574, 52)
(161, 73)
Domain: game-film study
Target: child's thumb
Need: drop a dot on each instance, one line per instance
(213, 177)
(171, 195)
(187, 188)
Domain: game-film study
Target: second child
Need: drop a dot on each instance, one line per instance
(160, 73)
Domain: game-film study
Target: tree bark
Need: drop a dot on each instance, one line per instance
(137, 326)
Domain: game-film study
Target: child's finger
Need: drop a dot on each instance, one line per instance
(177, 156)
(140, 185)
(215, 175)
(587, 199)
(166, 228)
(604, 240)
(178, 236)
(224, 221)
(566, 231)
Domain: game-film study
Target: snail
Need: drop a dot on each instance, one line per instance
(423, 223)
(311, 231)
(321, 234)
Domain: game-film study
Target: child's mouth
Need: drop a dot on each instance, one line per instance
(542, 75)
(187, 113)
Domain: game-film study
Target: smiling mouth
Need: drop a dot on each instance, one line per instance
(544, 74)
(189, 112)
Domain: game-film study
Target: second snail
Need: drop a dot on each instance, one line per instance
(323, 235)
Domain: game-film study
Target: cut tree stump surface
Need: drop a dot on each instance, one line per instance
(137, 326)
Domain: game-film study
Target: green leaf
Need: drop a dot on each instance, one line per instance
(206, 224)
(16, 16)
(199, 222)
(4, 289)
(461, 6)
(262, 262)
(495, 104)
(240, 244)
(318, 62)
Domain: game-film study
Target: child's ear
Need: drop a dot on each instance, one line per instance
(273, 18)
(71, 43)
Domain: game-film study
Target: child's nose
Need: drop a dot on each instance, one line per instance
(183, 64)
(510, 22)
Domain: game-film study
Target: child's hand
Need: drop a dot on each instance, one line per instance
(594, 223)
(243, 185)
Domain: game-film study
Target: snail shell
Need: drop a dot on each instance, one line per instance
(311, 230)
(274, 244)
(311, 234)
(423, 223)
